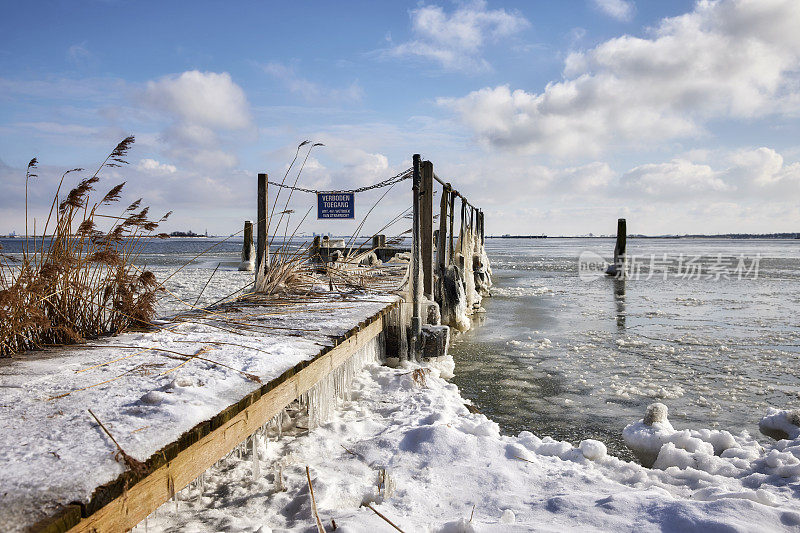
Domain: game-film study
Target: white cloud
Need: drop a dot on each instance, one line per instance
(203, 106)
(618, 9)
(151, 166)
(309, 90)
(726, 59)
(678, 178)
(205, 99)
(764, 171)
(455, 40)
(741, 175)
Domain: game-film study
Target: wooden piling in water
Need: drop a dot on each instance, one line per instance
(248, 261)
(426, 226)
(262, 250)
(619, 248)
(622, 234)
(618, 267)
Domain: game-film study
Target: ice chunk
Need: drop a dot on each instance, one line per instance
(457, 526)
(656, 413)
(593, 450)
(781, 424)
(508, 517)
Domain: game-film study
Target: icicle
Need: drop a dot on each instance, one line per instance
(256, 463)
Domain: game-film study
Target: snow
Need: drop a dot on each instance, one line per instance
(781, 424)
(417, 455)
(51, 450)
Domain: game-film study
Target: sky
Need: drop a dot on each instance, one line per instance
(554, 117)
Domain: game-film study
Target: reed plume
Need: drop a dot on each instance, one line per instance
(74, 281)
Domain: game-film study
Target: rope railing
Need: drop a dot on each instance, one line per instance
(453, 191)
(406, 174)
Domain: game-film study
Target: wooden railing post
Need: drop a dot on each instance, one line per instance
(441, 243)
(262, 251)
(450, 246)
(314, 251)
(426, 227)
(416, 267)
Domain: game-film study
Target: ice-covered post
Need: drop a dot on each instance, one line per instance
(247, 264)
(450, 248)
(262, 252)
(483, 234)
(416, 267)
(441, 243)
(426, 226)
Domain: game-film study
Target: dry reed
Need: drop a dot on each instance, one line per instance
(74, 281)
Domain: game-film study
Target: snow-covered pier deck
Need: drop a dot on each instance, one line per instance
(177, 399)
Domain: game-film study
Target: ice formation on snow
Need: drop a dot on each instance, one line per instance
(322, 398)
(719, 458)
(781, 424)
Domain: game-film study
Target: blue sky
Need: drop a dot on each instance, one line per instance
(557, 117)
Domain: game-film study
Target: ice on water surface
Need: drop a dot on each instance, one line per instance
(579, 359)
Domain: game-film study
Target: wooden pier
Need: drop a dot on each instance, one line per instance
(122, 502)
(259, 380)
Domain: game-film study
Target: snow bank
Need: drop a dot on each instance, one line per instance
(413, 451)
(717, 464)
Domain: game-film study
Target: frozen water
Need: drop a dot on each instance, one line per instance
(580, 359)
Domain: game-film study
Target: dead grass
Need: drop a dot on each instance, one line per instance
(74, 281)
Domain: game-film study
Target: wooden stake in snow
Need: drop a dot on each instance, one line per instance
(135, 466)
(382, 516)
(320, 528)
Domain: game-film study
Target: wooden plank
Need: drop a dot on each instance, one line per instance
(143, 497)
(65, 519)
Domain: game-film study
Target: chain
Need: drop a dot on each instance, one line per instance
(406, 174)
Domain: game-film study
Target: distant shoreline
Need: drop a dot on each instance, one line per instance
(732, 236)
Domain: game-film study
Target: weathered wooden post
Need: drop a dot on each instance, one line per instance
(426, 227)
(483, 234)
(378, 241)
(441, 242)
(416, 267)
(248, 259)
(314, 252)
(262, 252)
(450, 248)
(618, 268)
